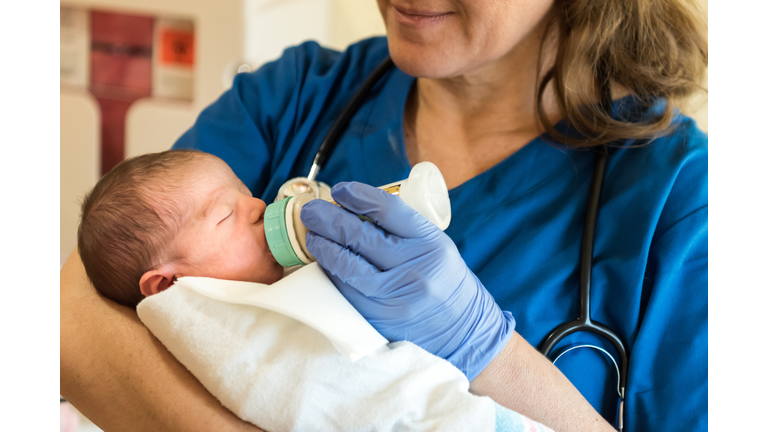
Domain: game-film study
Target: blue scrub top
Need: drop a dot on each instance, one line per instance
(517, 225)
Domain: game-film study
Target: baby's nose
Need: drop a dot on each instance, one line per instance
(257, 209)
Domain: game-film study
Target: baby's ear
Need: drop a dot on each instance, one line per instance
(157, 280)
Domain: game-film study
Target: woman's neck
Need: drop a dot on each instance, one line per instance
(494, 100)
(469, 123)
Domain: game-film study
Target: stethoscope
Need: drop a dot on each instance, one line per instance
(585, 322)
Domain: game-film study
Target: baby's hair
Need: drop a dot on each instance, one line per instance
(130, 219)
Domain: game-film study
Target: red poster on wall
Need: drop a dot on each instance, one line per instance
(121, 73)
(130, 57)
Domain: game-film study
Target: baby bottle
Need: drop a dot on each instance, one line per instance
(424, 190)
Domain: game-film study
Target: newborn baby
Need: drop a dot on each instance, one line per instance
(158, 217)
(161, 216)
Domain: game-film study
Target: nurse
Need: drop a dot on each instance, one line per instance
(503, 98)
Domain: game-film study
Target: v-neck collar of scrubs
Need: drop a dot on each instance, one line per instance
(383, 144)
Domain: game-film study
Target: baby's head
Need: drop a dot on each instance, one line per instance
(157, 217)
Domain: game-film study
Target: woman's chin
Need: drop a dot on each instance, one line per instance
(424, 65)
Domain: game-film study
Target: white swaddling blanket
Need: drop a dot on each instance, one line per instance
(306, 295)
(280, 374)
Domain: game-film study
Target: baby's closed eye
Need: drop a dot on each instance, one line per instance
(226, 217)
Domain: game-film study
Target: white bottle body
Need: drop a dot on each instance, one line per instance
(426, 192)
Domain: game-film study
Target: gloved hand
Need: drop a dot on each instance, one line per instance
(405, 276)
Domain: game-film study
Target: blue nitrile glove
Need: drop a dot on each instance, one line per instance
(408, 280)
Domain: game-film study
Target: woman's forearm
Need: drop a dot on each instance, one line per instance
(118, 375)
(523, 380)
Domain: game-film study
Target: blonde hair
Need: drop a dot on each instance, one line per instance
(657, 49)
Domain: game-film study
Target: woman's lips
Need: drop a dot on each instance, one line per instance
(418, 18)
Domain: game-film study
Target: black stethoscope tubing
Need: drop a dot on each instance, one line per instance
(585, 321)
(340, 125)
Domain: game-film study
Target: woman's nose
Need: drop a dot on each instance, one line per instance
(257, 208)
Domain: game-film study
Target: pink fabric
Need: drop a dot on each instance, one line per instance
(69, 420)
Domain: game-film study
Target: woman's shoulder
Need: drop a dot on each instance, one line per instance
(685, 141)
(682, 136)
(309, 61)
(671, 170)
(685, 152)
(682, 146)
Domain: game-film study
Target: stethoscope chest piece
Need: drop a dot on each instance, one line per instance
(299, 185)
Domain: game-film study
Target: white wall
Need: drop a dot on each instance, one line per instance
(273, 25)
(353, 20)
(697, 105)
(79, 161)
